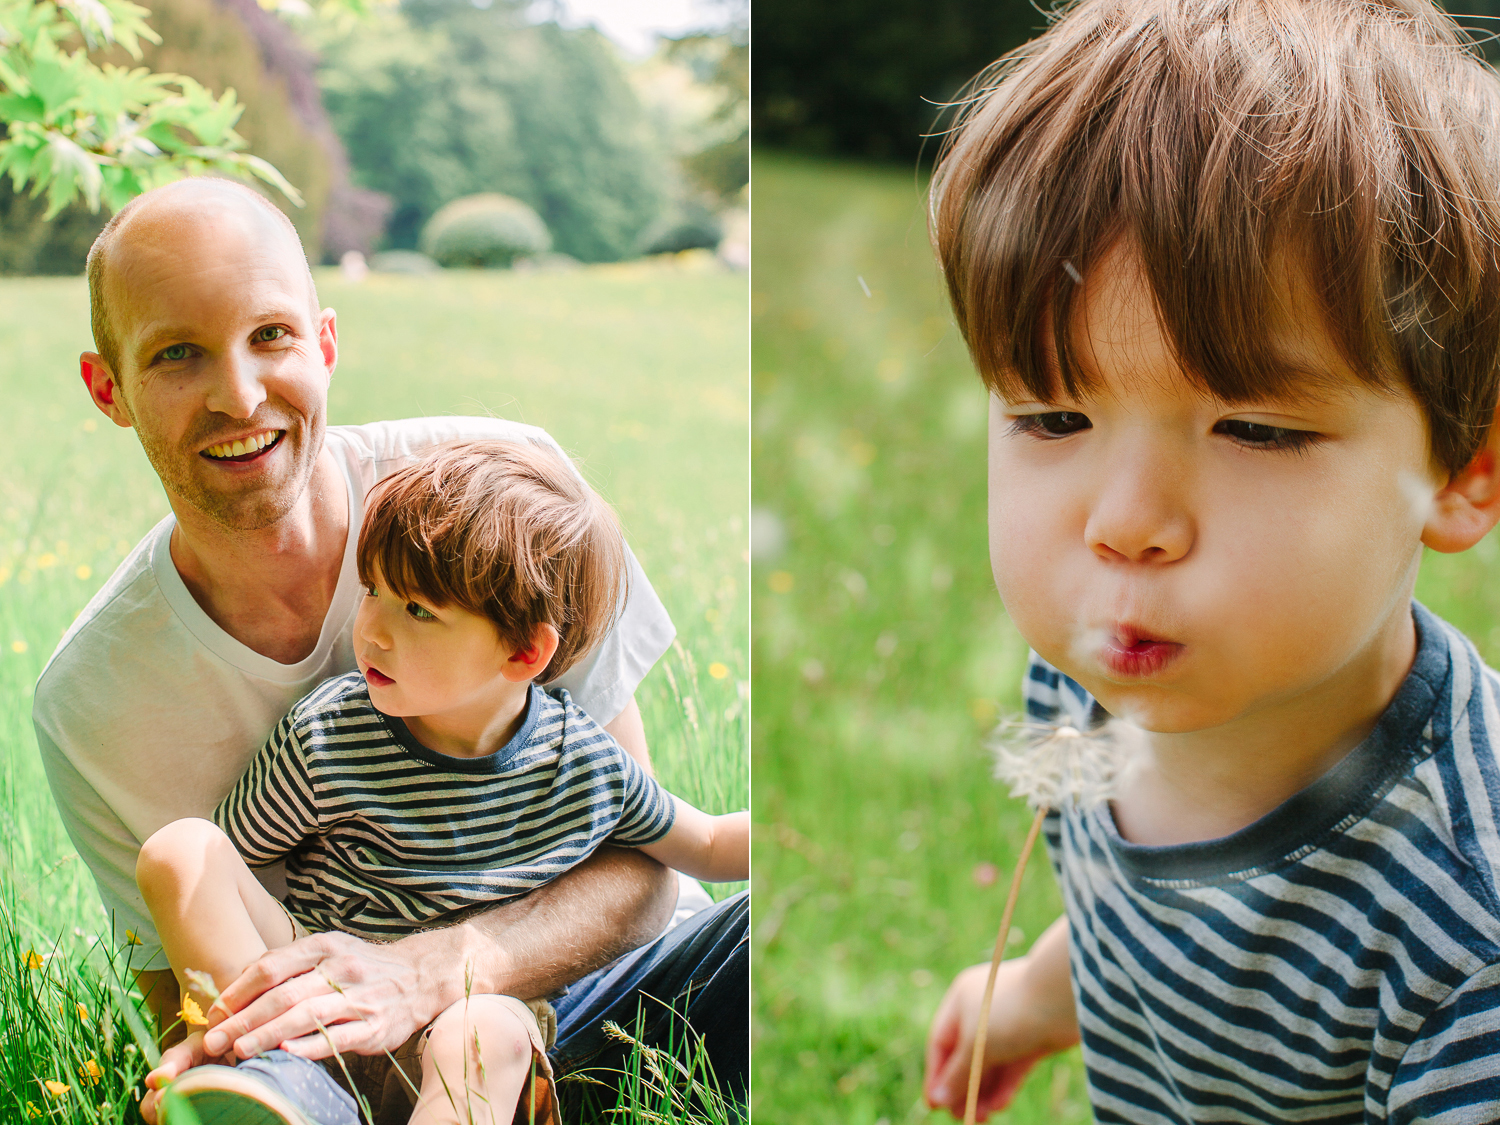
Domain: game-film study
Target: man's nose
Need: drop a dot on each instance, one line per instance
(237, 388)
(1142, 512)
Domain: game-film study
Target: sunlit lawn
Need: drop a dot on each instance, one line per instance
(882, 656)
(638, 370)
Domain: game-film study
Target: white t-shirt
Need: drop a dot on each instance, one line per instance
(149, 712)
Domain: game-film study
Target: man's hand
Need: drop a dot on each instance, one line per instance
(370, 997)
(1031, 1016)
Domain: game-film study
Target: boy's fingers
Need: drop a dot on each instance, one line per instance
(940, 1042)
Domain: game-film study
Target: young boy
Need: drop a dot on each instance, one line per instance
(436, 779)
(1231, 272)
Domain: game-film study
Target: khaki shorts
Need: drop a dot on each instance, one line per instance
(388, 1084)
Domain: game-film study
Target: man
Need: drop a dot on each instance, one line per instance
(212, 347)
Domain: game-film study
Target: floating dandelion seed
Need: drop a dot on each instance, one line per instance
(1072, 271)
(863, 286)
(1049, 767)
(203, 982)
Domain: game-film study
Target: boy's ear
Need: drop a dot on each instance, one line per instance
(529, 663)
(1468, 506)
(103, 389)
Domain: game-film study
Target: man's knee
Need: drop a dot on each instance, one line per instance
(174, 852)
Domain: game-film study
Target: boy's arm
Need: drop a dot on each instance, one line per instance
(1032, 1015)
(715, 849)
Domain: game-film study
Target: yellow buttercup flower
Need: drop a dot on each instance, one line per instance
(90, 1072)
(31, 959)
(79, 1010)
(56, 1089)
(32, 1111)
(191, 1014)
(718, 671)
(131, 939)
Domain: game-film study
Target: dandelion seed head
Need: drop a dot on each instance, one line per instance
(1072, 271)
(1417, 494)
(1053, 767)
(203, 982)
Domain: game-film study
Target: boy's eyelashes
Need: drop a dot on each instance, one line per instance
(1052, 423)
(1262, 436)
(1257, 435)
(414, 610)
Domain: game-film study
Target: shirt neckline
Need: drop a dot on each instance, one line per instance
(212, 636)
(1341, 797)
(488, 764)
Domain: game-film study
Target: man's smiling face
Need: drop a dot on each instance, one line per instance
(223, 358)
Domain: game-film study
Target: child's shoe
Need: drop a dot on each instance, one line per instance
(276, 1088)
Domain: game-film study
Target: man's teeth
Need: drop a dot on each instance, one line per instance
(252, 444)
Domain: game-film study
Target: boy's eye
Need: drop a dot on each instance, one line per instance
(1054, 423)
(420, 612)
(1262, 436)
(269, 334)
(175, 352)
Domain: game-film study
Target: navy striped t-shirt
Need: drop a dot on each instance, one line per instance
(383, 836)
(1336, 961)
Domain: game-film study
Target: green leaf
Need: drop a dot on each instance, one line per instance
(55, 82)
(16, 108)
(266, 172)
(73, 170)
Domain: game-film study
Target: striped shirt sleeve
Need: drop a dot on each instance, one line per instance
(272, 808)
(646, 809)
(1451, 1072)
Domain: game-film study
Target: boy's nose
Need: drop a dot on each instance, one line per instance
(1141, 514)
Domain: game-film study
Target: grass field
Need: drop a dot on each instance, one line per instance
(638, 370)
(882, 656)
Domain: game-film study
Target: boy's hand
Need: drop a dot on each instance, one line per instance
(1031, 1016)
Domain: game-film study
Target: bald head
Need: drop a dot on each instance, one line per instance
(197, 206)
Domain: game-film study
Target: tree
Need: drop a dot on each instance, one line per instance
(444, 99)
(75, 129)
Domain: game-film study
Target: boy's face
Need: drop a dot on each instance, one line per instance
(421, 660)
(1190, 562)
(218, 342)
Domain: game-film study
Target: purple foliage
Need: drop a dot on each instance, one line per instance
(354, 218)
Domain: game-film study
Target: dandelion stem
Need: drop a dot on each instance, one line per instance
(981, 1033)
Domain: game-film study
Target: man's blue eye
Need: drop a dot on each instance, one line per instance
(420, 613)
(1263, 436)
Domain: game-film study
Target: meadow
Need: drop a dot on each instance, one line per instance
(637, 369)
(882, 658)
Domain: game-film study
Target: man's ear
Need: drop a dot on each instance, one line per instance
(328, 340)
(1468, 506)
(529, 663)
(103, 389)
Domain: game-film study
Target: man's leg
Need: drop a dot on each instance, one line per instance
(699, 969)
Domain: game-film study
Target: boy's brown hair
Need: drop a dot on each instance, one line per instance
(506, 530)
(1356, 140)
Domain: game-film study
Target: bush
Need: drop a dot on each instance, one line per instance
(692, 228)
(489, 230)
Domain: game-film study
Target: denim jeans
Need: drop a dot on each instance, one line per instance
(699, 969)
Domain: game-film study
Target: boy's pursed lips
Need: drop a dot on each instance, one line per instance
(1133, 651)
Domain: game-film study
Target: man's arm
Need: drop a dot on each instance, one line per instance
(372, 997)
